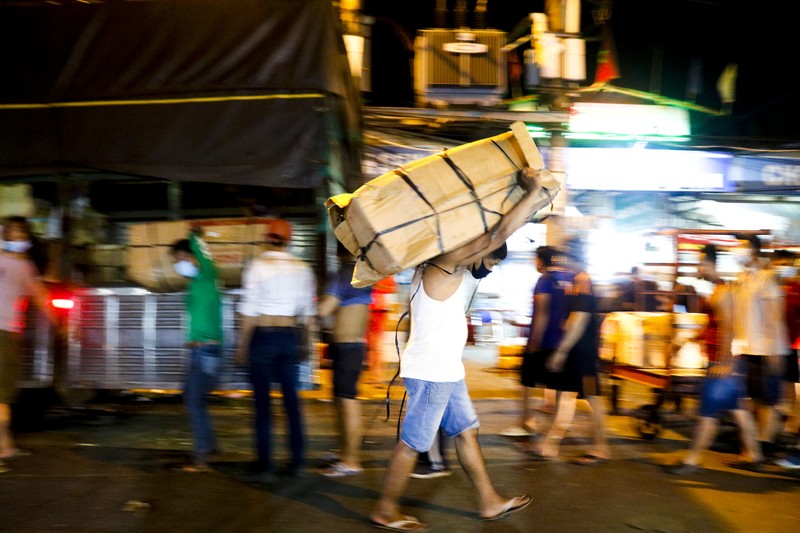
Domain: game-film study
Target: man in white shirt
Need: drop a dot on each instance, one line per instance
(278, 298)
(433, 373)
(760, 336)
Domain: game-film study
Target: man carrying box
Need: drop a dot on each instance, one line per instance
(433, 372)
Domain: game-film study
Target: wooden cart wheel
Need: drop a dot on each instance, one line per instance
(648, 422)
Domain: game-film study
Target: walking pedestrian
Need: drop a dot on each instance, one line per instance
(351, 308)
(433, 463)
(574, 363)
(724, 387)
(549, 313)
(192, 260)
(433, 374)
(783, 265)
(18, 285)
(278, 300)
(760, 337)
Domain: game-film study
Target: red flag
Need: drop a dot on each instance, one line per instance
(607, 67)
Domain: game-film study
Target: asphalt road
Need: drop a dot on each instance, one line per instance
(109, 467)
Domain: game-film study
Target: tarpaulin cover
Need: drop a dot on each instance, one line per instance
(232, 91)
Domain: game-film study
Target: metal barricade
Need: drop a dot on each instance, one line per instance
(131, 338)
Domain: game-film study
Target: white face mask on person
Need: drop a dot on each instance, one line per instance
(186, 268)
(16, 246)
(743, 256)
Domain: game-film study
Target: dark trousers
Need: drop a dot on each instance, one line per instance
(273, 359)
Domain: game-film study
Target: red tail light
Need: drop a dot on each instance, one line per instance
(63, 303)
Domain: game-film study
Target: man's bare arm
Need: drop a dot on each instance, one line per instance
(541, 315)
(327, 305)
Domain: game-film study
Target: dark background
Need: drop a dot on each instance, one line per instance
(657, 41)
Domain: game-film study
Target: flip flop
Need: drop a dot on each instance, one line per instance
(516, 431)
(407, 523)
(339, 469)
(195, 468)
(525, 448)
(513, 505)
(590, 459)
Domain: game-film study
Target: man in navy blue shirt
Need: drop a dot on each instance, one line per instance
(549, 313)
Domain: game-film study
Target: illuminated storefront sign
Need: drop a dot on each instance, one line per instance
(769, 175)
(638, 169)
(591, 120)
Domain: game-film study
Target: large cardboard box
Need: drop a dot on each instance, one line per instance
(435, 204)
(232, 242)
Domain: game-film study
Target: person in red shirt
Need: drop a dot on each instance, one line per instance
(783, 264)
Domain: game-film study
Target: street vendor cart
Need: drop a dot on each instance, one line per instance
(656, 349)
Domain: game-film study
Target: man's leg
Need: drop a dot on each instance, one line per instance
(348, 358)
(792, 423)
(436, 453)
(748, 432)
(288, 367)
(387, 509)
(10, 372)
(768, 426)
(471, 458)
(349, 412)
(528, 420)
(6, 440)
(600, 438)
(194, 402)
(527, 374)
(549, 401)
(704, 433)
(565, 413)
(261, 376)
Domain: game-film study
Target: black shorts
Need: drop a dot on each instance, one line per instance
(533, 372)
(581, 374)
(762, 386)
(792, 374)
(347, 358)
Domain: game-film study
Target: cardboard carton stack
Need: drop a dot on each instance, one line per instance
(435, 204)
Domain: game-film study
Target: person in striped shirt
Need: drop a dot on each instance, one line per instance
(760, 336)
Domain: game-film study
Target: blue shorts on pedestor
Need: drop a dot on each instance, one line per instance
(432, 405)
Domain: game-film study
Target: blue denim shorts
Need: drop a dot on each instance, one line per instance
(432, 405)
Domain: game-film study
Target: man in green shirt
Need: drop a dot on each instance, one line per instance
(204, 306)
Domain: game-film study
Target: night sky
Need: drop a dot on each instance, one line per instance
(677, 34)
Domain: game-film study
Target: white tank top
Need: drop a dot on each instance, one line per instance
(437, 336)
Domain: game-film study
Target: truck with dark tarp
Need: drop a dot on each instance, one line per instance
(168, 105)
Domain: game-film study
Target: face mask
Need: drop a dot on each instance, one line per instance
(742, 256)
(481, 271)
(786, 271)
(16, 246)
(187, 269)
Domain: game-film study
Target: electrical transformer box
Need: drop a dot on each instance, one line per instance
(460, 66)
